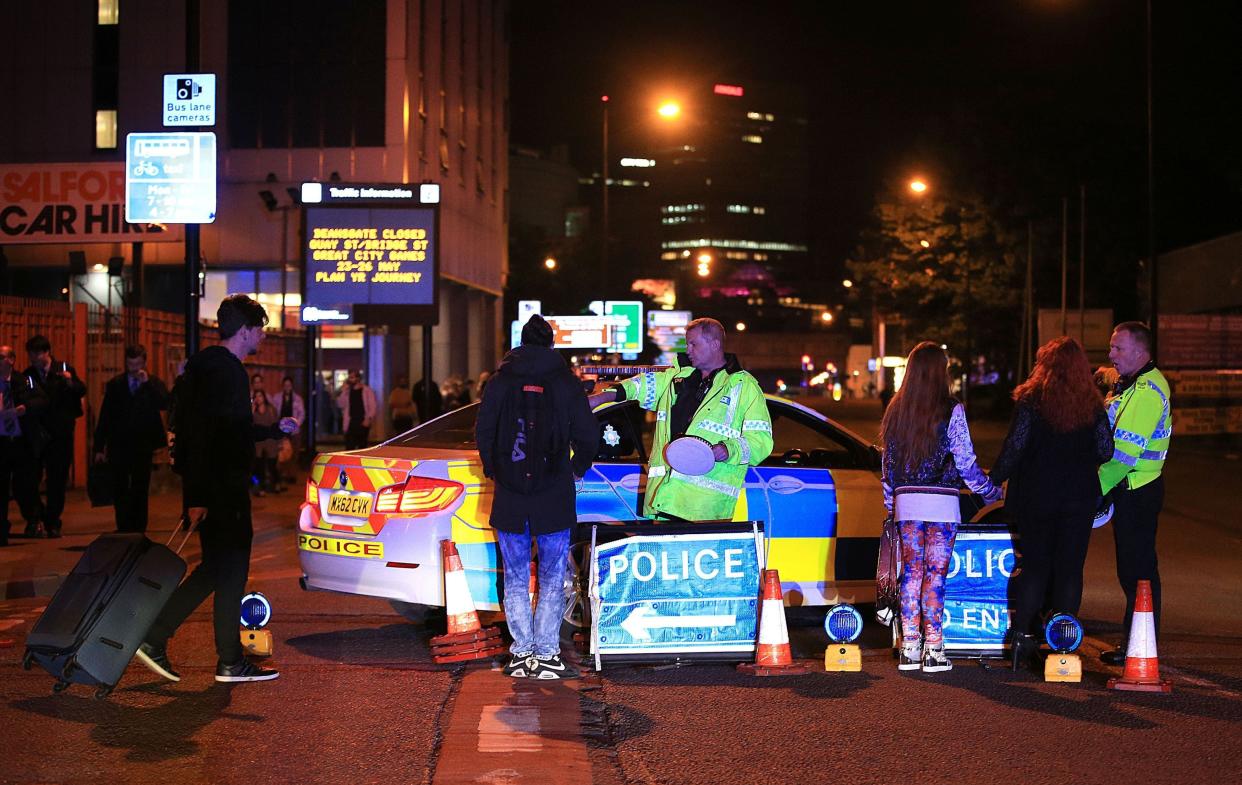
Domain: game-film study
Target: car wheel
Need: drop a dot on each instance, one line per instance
(417, 613)
(577, 601)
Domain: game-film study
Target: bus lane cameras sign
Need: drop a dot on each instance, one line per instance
(679, 593)
(189, 100)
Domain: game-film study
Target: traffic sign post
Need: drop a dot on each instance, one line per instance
(676, 596)
(170, 178)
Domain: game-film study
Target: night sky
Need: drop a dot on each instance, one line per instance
(1052, 90)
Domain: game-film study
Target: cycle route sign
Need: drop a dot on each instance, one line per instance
(170, 178)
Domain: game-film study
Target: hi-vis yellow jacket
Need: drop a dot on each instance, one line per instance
(733, 413)
(1142, 425)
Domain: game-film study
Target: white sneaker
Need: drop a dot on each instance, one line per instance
(935, 660)
(911, 656)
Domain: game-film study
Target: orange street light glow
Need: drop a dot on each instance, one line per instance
(741, 327)
(918, 186)
(669, 110)
(549, 263)
(826, 317)
(924, 243)
(847, 283)
(705, 258)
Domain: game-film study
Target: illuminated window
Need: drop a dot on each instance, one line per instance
(109, 13)
(738, 208)
(736, 255)
(760, 210)
(105, 129)
(751, 244)
(761, 257)
(753, 116)
(752, 139)
(642, 163)
(669, 255)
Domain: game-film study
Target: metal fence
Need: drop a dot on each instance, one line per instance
(93, 338)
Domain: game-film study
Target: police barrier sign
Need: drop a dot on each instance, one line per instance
(976, 591)
(676, 594)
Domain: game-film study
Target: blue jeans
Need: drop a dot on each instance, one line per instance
(542, 635)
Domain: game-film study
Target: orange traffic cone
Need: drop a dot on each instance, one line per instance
(466, 639)
(1142, 670)
(772, 656)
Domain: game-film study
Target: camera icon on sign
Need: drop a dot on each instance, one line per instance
(188, 89)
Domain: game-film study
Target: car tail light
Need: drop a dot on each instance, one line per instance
(312, 493)
(418, 496)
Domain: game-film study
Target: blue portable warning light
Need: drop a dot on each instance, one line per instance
(256, 611)
(1063, 633)
(843, 623)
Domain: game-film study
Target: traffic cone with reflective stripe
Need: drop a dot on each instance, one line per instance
(466, 639)
(772, 655)
(1142, 669)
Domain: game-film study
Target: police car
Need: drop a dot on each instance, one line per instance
(372, 519)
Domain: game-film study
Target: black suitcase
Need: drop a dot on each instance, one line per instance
(101, 613)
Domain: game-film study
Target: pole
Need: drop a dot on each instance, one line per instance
(1024, 349)
(1082, 266)
(1064, 261)
(191, 230)
(312, 394)
(604, 186)
(1151, 194)
(284, 251)
(426, 330)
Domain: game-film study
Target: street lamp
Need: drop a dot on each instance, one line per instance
(825, 317)
(550, 263)
(847, 283)
(603, 99)
(669, 110)
(918, 185)
(741, 327)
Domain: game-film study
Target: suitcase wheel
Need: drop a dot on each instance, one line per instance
(60, 687)
(102, 692)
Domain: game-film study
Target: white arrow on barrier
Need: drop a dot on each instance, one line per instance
(644, 618)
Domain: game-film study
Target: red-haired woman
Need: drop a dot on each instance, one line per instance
(1057, 440)
(927, 456)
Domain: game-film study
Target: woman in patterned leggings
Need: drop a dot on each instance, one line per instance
(927, 456)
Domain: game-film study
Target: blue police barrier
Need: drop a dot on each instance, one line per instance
(676, 594)
(976, 591)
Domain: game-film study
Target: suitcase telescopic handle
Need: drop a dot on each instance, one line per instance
(182, 523)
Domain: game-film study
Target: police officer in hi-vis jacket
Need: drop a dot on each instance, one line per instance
(705, 394)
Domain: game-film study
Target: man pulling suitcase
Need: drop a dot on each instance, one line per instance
(213, 448)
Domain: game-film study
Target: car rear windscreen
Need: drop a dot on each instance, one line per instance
(453, 431)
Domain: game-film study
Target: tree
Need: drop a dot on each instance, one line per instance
(949, 265)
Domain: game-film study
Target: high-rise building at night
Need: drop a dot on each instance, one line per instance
(366, 91)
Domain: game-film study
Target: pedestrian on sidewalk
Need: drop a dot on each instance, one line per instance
(290, 405)
(216, 435)
(21, 437)
(533, 412)
(265, 451)
(358, 406)
(1058, 437)
(927, 456)
(129, 431)
(401, 405)
(57, 381)
(437, 400)
(1140, 411)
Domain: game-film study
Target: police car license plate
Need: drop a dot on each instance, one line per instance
(335, 546)
(352, 505)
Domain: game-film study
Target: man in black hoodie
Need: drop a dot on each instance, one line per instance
(535, 474)
(215, 437)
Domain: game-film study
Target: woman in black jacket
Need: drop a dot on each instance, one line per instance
(1057, 440)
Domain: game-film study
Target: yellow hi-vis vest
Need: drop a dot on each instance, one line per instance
(733, 413)
(1142, 424)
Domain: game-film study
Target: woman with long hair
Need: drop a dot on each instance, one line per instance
(1057, 440)
(266, 451)
(927, 456)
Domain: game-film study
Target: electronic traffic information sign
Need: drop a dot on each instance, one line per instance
(370, 256)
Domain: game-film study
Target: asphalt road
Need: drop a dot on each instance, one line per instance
(360, 701)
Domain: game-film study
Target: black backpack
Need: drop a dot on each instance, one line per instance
(528, 440)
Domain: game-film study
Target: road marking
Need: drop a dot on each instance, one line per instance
(509, 729)
(502, 730)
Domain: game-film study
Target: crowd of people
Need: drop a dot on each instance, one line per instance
(1070, 453)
